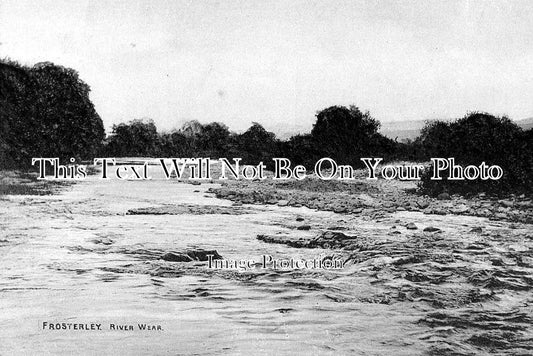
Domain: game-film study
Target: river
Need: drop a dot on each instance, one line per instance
(78, 257)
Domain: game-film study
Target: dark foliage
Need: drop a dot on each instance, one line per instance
(136, 138)
(257, 145)
(45, 111)
(176, 144)
(345, 134)
(301, 149)
(214, 139)
(477, 138)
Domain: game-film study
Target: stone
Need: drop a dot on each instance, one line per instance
(497, 261)
(304, 227)
(518, 248)
(176, 257)
(526, 261)
(500, 216)
(443, 196)
(283, 203)
(422, 204)
(506, 203)
(411, 226)
(339, 209)
(431, 229)
(103, 241)
(460, 209)
(201, 255)
(330, 239)
(191, 255)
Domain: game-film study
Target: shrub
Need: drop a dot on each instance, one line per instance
(477, 138)
(257, 145)
(136, 138)
(347, 134)
(344, 134)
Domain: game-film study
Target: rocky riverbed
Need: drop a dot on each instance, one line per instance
(373, 198)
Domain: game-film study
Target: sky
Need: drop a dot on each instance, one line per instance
(279, 62)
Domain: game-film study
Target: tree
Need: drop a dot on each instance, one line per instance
(258, 145)
(68, 121)
(137, 138)
(47, 113)
(301, 150)
(435, 139)
(192, 128)
(345, 134)
(480, 137)
(213, 139)
(175, 144)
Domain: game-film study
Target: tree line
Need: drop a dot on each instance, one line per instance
(45, 111)
(342, 133)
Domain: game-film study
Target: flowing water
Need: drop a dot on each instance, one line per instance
(78, 257)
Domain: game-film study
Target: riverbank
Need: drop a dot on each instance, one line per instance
(14, 182)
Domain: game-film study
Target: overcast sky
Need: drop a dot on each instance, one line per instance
(278, 62)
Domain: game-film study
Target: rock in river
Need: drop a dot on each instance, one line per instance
(422, 204)
(176, 257)
(443, 196)
(411, 226)
(329, 239)
(191, 255)
(304, 227)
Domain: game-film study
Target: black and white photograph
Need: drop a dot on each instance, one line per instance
(238, 177)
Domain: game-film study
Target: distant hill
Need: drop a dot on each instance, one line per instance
(411, 129)
(402, 130)
(526, 124)
(284, 131)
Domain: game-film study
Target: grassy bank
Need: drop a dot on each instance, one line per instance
(13, 182)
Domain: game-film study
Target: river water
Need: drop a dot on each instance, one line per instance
(77, 257)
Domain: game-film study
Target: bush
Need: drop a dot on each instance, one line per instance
(257, 145)
(347, 134)
(137, 138)
(477, 138)
(301, 150)
(344, 134)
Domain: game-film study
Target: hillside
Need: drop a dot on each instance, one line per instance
(411, 129)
